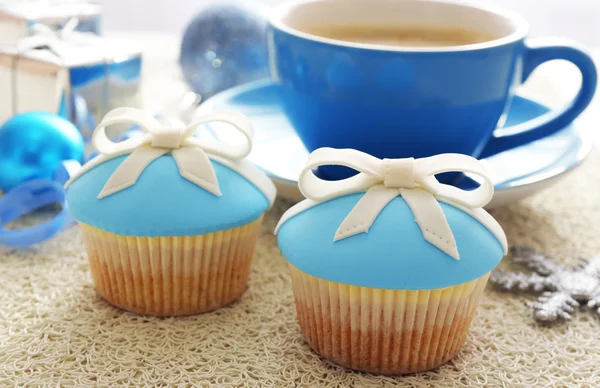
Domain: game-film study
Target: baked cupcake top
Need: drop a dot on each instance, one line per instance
(168, 182)
(393, 225)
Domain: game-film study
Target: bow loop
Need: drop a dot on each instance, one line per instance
(427, 168)
(384, 180)
(317, 189)
(65, 31)
(130, 116)
(235, 151)
(47, 40)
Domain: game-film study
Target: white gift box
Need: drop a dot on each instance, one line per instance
(69, 73)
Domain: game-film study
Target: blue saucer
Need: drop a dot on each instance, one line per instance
(516, 173)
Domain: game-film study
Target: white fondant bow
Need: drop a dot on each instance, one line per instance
(384, 180)
(191, 154)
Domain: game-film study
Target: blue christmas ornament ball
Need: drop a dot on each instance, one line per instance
(225, 45)
(33, 144)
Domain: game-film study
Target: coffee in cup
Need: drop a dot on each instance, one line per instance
(403, 36)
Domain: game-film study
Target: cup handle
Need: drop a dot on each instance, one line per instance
(537, 52)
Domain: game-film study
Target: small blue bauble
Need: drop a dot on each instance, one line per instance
(33, 144)
(225, 45)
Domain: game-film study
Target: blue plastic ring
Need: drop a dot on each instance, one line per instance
(26, 198)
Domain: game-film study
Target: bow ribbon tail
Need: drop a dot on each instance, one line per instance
(365, 212)
(431, 219)
(195, 166)
(129, 171)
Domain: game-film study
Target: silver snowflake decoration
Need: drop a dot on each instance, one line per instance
(563, 288)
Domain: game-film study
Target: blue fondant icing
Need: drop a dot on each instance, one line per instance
(162, 203)
(393, 254)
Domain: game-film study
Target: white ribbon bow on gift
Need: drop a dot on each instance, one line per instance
(192, 155)
(54, 40)
(384, 180)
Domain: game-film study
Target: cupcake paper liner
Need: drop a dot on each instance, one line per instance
(384, 331)
(170, 276)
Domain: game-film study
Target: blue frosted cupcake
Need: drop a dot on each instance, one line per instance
(170, 221)
(389, 266)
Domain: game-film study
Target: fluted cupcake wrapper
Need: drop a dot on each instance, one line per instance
(384, 331)
(170, 276)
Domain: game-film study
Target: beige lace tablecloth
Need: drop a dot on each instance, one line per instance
(55, 330)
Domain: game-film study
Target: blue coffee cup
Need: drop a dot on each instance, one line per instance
(396, 101)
